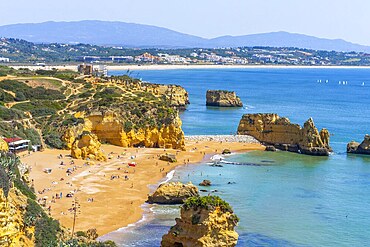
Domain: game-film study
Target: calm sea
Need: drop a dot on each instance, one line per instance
(284, 199)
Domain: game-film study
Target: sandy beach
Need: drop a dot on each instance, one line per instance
(184, 66)
(111, 193)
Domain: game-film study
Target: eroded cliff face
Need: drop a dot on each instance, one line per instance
(202, 228)
(87, 146)
(13, 231)
(3, 145)
(109, 128)
(173, 193)
(274, 130)
(359, 148)
(223, 98)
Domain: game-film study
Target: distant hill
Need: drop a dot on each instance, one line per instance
(138, 35)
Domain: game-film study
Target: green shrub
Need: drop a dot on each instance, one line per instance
(81, 234)
(207, 202)
(30, 93)
(10, 114)
(6, 97)
(53, 139)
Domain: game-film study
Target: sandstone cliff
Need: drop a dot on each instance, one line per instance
(173, 193)
(109, 127)
(87, 146)
(205, 222)
(357, 148)
(223, 98)
(13, 230)
(274, 130)
(3, 145)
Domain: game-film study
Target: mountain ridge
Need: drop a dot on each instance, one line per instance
(116, 33)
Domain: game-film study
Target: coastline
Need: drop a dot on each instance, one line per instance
(189, 67)
(117, 202)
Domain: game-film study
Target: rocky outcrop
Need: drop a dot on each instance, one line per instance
(205, 222)
(3, 145)
(13, 230)
(173, 193)
(87, 146)
(357, 148)
(205, 182)
(223, 98)
(272, 129)
(168, 157)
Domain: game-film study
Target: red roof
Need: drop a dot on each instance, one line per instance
(14, 139)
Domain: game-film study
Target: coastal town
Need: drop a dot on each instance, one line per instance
(16, 51)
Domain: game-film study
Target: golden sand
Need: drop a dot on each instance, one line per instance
(115, 202)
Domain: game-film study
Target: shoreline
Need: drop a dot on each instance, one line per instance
(104, 181)
(147, 214)
(189, 67)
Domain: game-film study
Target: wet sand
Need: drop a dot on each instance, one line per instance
(116, 202)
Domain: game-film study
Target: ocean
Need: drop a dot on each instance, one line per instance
(283, 199)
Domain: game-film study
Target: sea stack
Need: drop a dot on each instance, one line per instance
(357, 148)
(205, 222)
(223, 98)
(272, 129)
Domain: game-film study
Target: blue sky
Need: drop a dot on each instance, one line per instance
(345, 19)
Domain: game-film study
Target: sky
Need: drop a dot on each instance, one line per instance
(344, 19)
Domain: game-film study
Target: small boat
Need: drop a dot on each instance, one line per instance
(363, 84)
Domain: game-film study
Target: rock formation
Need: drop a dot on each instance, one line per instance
(173, 193)
(272, 129)
(205, 182)
(168, 157)
(3, 145)
(13, 230)
(223, 98)
(87, 146)
(357, 148)
(205, 222)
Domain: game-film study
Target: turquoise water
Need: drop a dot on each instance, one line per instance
(283, 199)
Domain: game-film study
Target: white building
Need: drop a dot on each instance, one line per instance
(4, 60)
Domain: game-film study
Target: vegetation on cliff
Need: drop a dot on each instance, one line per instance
(208, 203)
